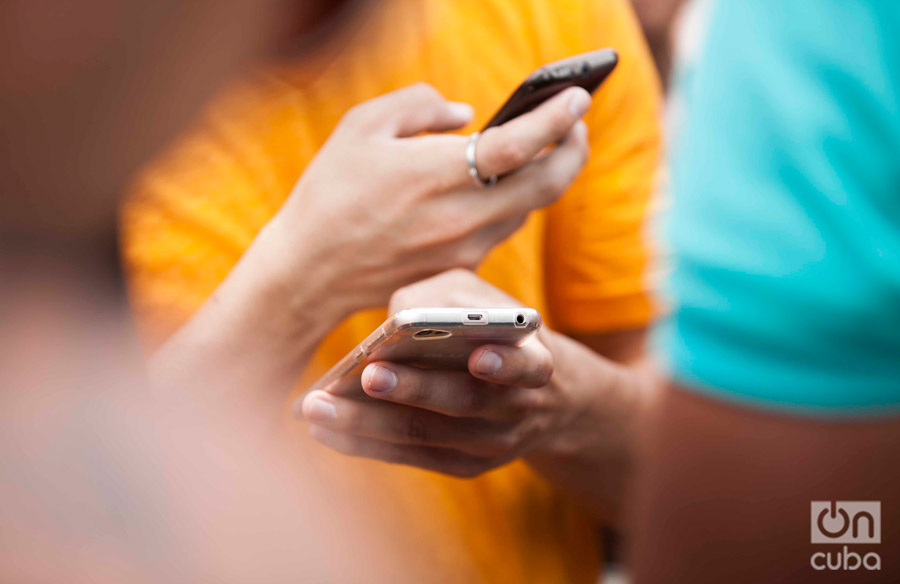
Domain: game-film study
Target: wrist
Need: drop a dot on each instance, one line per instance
(289, 277)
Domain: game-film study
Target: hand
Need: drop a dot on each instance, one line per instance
(382, 206)
(455, 422)
(377, 208)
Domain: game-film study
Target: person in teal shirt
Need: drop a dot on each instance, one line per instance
(785, 227)
(782, 344)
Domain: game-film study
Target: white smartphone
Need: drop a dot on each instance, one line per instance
(436, 338)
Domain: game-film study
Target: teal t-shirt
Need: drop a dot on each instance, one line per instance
(784, 229)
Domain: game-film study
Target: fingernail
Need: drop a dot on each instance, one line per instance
(320, 410)
(489, 363)
(579, 103)
(461, 111)
(381, 379)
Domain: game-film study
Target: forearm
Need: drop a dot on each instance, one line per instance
(251, 339)
(592, 453)
(732, 484)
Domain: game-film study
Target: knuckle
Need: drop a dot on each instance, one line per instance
(473, 402)
(518, 435)
(423, 90)
(458, 274)
(468, 258)
(560, 120)
(454, 226)
(510, 154)
(416, 390)
(538, 401)
(350, 421)
(503, 442)
(528, 403)
(414, 429)
(528, 428)
(355, 116)
(449, 174)
(440, 182)
(543, 373)
(552, 186)
(446, 232)
(400, 298)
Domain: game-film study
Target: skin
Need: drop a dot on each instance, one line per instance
(391, 208)
(568, 411)
(658, 18)
(725, 492)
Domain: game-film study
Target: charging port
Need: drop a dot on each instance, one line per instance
(475, 318)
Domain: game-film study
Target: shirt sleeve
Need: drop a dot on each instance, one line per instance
(194, 211)
(597, 254)
(785, 226)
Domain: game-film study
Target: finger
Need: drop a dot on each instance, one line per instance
(544, 181)
(349, 386)
(530, 365)
(444, 460)
(537, 184)
(409, 111)
(452, 393)
(505, 148)
(402, 424)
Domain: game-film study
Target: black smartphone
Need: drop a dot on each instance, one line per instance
(587, 70)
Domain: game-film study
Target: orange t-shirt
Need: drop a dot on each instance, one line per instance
(580, 262)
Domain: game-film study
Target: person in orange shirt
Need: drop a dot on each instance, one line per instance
(238, 271)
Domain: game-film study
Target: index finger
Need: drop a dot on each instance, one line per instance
(505, 148)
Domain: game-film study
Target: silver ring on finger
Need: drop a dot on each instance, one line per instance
(473, 168)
